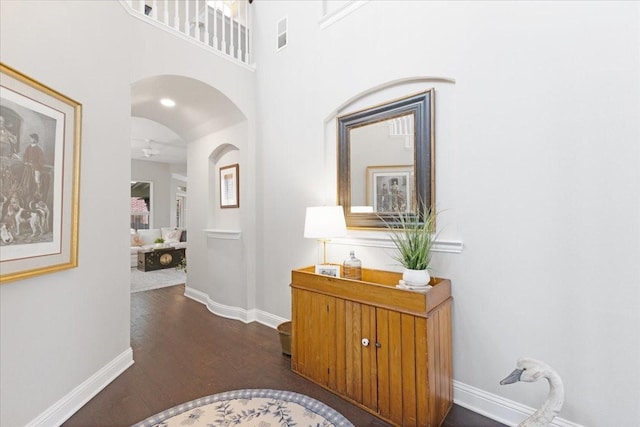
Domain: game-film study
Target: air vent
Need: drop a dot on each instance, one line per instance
(282, 33)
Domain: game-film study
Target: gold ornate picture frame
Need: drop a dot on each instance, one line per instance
(40, 131)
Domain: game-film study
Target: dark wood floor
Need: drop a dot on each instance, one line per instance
(183, 352)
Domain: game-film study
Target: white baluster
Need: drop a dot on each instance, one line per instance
(176, 16)
(238, 34)
(186, 18)
(249, 19)
(165, 19)
(154, 10)
(196, 18)
(246, 30)
(206, 23)
(223, 45)
(215, 24)
(231, 46)
(141, 6)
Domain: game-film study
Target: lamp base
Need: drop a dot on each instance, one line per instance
(324, 251)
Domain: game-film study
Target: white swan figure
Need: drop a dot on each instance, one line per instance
(531, 370)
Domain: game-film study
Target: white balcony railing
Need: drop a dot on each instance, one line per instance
(223, 25)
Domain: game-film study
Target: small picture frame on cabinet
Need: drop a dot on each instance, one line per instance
(328, 270)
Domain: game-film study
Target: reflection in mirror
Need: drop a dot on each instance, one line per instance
(385, 160)
(141, 204)
(382, 172)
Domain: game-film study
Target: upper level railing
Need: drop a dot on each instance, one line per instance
(223, 25)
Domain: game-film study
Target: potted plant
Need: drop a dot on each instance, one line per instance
(159, 242)
(414, 237)
(182, 265)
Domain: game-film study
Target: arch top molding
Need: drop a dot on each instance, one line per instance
(386, 85)
(221, 150)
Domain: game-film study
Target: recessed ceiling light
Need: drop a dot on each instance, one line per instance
(168, 102)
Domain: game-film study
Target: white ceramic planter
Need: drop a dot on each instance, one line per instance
(416, 277)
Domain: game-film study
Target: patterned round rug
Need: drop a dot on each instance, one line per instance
(251, 407)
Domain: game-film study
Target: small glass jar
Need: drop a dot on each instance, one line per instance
(352, 267)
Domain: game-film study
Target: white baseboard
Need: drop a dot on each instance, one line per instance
(195, 295)
(490, 405)
(246, 316)
(63, 409)
(497, 408)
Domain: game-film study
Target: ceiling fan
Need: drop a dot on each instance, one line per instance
(149, 152)
(152, 147)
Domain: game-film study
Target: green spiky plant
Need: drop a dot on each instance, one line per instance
(413, 238)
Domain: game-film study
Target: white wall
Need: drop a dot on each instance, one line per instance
(219, 267)
(60, 331)
(163, 198)
(64, 336)
(536, 166)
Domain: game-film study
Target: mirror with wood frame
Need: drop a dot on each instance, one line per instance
(386, 161)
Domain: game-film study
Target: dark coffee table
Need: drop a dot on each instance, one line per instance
(157, 259)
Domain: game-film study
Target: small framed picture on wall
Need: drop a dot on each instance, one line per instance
(230, 186)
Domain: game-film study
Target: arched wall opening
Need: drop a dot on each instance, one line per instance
(215, 133)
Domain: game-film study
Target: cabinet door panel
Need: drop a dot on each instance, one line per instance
(397, 398)
(395, 366)
(447, 361)
(353, 315)
(369, 359)
(422, 372)
(384, 371)
(301, 305)
(328, 344)
(314, 336)
(340, 348)
(408, 366)
(440, 363)
(361, 364)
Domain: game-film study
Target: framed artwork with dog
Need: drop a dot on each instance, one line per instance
(39, 177)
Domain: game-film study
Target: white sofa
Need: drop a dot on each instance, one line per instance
(145, 239)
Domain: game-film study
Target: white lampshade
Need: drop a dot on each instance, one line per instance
(325, 222)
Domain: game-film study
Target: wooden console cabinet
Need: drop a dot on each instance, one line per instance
(386, 349)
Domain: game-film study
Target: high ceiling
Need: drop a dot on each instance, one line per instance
(160, 133)
(155, 142)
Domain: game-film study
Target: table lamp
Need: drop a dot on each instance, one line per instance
(324, 223)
